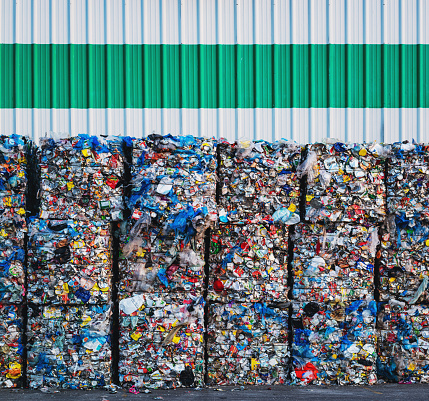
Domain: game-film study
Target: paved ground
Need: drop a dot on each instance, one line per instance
(390, 392)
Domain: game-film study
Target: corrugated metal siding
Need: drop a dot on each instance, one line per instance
(328, 68)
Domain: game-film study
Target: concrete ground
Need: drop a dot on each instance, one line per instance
(390, 392)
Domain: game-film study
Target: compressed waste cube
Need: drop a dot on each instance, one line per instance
(334, 311)
(248, 343)
(69, 261)
(334, 262)
(404, 265)
(12, 258)
(259, 182)
(69, 346)
(163, 265)
(334, 342)
(345, 182)
(407, 184)
(11, 345)
(173, 183)
(81, 178)
(161, 341)
(13, 190)
(249, 263)
(403, 346)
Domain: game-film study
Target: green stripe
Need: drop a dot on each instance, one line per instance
(213, 76)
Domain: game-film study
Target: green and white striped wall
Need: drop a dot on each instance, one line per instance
(357, 70)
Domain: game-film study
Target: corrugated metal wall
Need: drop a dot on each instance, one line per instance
(356, 70)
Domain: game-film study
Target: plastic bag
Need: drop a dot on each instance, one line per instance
(306, 168)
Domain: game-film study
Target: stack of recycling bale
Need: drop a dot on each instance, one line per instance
(162, 277)
(70, 262)
(13, 189)
(334, 310)
(248, 281)
(403, 345)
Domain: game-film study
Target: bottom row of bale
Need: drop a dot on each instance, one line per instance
(163, 343)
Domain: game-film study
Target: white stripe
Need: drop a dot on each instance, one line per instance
(263, 22)
(373, 15)
(318, 27)
(299, 26)
(41, 21)
(281, 22)
(115, 122)
(78, 18)
(245, 124)
(392, 126)
(318, 124)
(408, 22)
(133, 22)
(23, 21)
(337, 123)
(354, 127)
(114, 22)
(207, 27)
(60, 29)
(409, 124)
(373, 125)
(97, 122)
(282, 123)
(264, 124)
(190, 122)
(208, 125)
(227, 120)
(189, 22)
(226, 25)
(194, 21)
(151, 22)
(337, 22)
(23, 122)
(170, 22)
(152, 123)
(96, 22)
(301, 125)
(354, 15)
(60, 120)
(134, 121)
(6, 21)
(424, 126)
(79, 121)
(391, 21)
(244, 22)
(423, 17)
(171, 121)
(7, 120)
